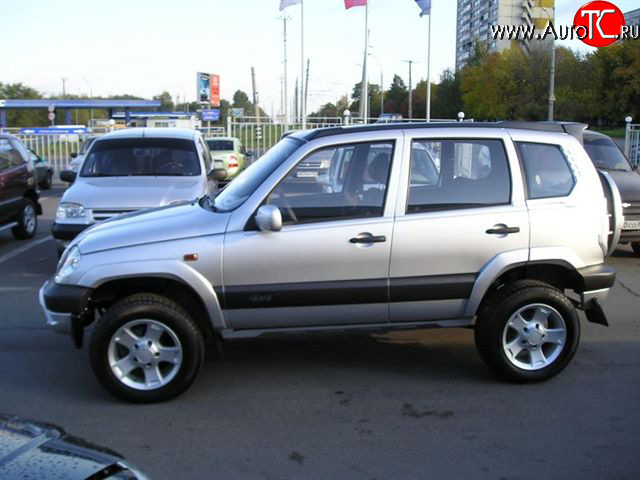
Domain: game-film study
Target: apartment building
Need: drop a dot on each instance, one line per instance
(476, 16)
(632, 17)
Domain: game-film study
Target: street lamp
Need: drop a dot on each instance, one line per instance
(552, 72)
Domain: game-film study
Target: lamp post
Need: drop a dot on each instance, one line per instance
(552, 72)
(381, 83)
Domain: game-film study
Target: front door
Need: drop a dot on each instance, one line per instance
(329, 265)
(460, 211)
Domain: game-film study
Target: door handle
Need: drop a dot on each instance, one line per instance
(368, 239)
(503, 230)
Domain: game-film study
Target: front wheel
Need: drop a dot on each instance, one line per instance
(146, 348)
(27, 220)
(528, 331)
(46, 183)
(636, 248)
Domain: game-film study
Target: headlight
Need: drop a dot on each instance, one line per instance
(70, 210)
(68, 264)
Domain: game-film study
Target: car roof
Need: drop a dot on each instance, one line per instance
(220, 138)
(571, 128)
(177, 133)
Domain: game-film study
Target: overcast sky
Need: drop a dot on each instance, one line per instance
(143, 47)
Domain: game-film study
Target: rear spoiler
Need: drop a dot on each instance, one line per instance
(575, 129)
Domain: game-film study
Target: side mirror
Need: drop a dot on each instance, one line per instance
(74, 154)
(68, 176)
(218, 174)
(249, 153)
(269, 218)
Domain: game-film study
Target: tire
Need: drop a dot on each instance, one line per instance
(46, 183)
(636, 248)
(538, 303)
(144, 315)
(27, 220)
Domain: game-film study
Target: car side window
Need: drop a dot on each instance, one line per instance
(546, 170)
(208, 164)
(335, 183)
(456, 174)
(5, 153)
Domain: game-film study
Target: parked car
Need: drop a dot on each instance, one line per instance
(44, 170)
(130, 170)
(19, 195)
(389, 118)
(230, 151)
(36, 450)
(608, 157)
(77, 157)
(496, 244)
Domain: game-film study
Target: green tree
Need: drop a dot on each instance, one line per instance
(166, 102)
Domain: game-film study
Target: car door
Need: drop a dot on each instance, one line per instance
(15, 177)
(460, 210)
(329, 264)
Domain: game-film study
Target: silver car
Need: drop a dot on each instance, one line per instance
(499, 226)
(130, 170)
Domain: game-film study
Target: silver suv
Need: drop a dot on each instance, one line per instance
(504, 231)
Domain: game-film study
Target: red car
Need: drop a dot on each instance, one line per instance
(19, 206)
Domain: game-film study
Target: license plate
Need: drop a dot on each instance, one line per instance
(307, 174)
(631, 225)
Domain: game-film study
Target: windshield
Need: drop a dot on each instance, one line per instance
(605, 154)
(86, 144)
(220, 145)
(250, 179)
(142, 157)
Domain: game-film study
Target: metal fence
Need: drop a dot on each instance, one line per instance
(55, 148)
(632, 143)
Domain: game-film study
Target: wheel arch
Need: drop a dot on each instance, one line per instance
(167, 286)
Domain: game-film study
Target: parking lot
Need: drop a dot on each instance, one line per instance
(405, 405)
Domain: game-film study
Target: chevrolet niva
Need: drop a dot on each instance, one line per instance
(500, 227)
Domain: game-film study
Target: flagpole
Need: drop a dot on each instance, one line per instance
(364, 89)
(429, 71)
(303, 112)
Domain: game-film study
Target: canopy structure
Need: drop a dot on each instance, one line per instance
(54, 105)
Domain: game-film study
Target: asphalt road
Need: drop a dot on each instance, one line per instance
(415, 405)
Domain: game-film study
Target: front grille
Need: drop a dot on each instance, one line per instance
(105, 214)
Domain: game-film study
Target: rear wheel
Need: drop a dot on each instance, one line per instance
(146, 348)
(27, 220)
(527, 331)
(636, 247)
(46, 183)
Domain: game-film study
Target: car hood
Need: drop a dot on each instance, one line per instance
(133, 192)
(185, 220)
(628, 184)
(38, 450)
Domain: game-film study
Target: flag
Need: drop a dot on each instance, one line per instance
(425, 6)
(287, 3)
(354, 3)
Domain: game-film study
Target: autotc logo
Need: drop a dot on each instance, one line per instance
(599, 23)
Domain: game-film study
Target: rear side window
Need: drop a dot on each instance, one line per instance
(546, 170)
(458, 174)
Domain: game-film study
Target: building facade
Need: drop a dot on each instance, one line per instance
(632, 17)
(475, 18)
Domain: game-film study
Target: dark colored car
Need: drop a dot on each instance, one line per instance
(44, 170)
(608, 157)
(19, 195)
(33, 450)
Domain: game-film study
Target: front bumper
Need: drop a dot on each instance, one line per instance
(67, 231)
(62, 303)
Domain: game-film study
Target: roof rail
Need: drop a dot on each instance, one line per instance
(571, 128)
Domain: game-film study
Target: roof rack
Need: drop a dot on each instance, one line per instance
(571, 128)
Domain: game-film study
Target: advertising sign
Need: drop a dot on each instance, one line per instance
(237, 112)
(211, 115)
(204, 90)
(215, 89)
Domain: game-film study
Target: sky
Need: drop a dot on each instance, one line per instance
(144, 47)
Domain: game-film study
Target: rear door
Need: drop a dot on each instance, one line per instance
(460, 208)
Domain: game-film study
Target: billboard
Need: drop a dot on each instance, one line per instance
(204, 90)
(211, 115)
(215, 89)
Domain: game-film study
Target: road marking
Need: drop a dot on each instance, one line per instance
(24, 248)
